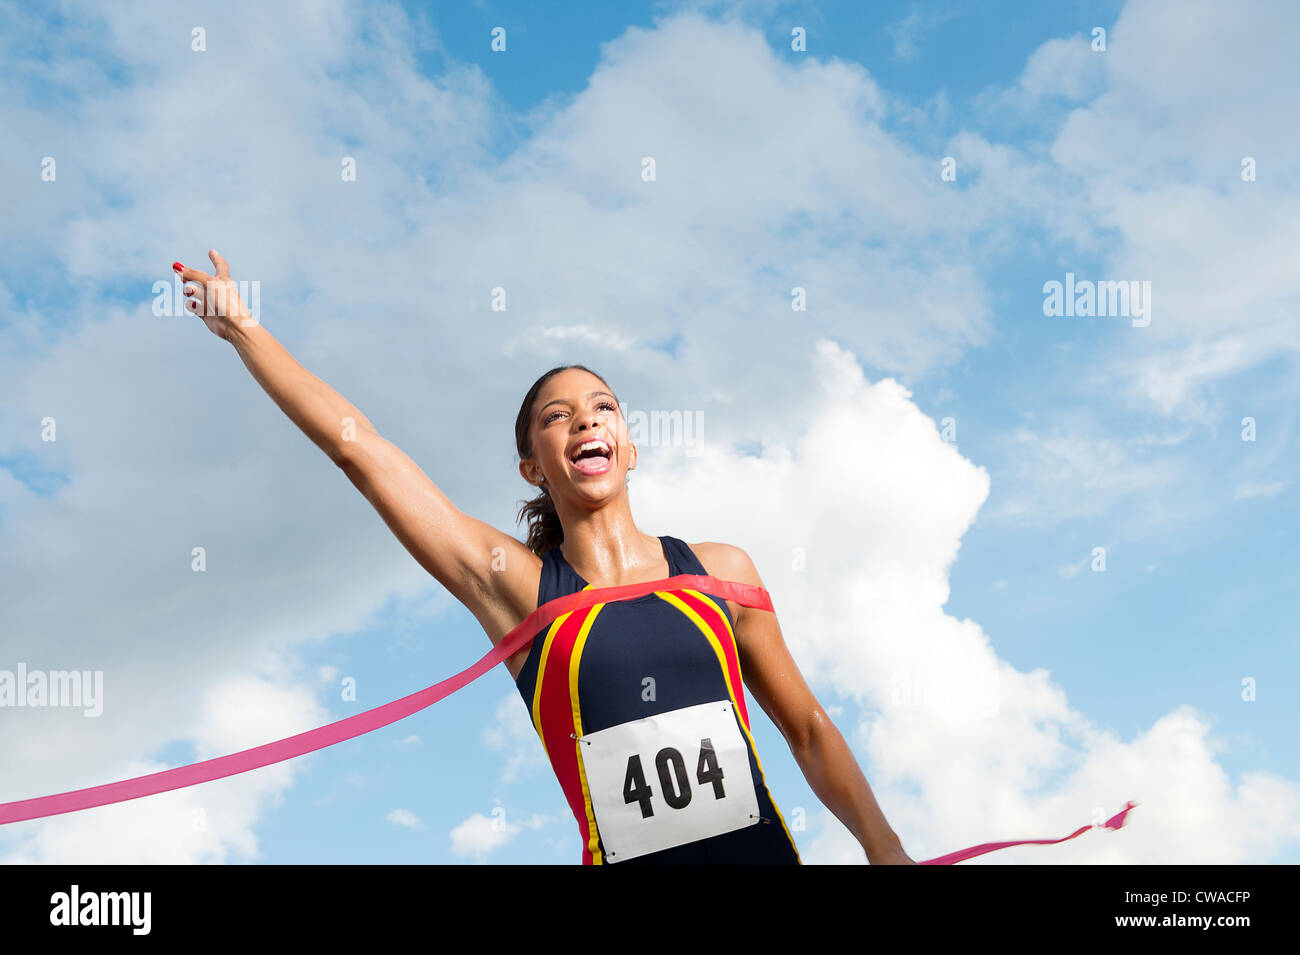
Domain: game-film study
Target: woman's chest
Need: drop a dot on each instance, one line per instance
(638, 660)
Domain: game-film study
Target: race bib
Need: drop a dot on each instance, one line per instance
(669, 779)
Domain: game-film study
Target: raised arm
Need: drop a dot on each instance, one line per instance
(489, 571)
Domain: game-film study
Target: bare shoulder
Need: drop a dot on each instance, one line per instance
(726, 562)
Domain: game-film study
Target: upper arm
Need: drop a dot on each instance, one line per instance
(767, 669)
(489, 571)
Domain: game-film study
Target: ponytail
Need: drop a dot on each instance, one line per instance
(544, 529)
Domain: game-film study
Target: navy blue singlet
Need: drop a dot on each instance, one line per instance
(587, 672)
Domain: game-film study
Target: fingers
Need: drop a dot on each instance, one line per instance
(199, 285)
(188, 274)
(223, 270)
(191, 288)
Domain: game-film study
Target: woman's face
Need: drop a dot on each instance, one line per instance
(572, 409)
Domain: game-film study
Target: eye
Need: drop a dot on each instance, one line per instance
(605, 403)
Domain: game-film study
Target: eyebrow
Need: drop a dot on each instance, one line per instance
(563, 401)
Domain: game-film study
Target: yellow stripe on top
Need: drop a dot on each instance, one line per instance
(575, 658)
(541, 671)
(712, 637)
(705, 629)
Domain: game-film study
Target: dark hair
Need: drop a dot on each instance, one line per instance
(544, 529)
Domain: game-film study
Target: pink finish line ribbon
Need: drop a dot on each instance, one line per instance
(1114, 822)
(259, 756)
(747, 595)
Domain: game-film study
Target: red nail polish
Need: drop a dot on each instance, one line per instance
(177, 267)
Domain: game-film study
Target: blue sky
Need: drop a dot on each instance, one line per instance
(947, 456)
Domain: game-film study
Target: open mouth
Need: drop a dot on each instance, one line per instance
(593, 456)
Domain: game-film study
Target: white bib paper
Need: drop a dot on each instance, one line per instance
(669, 779)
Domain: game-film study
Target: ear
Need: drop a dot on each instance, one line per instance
(531, 473)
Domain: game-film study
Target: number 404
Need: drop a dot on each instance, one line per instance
(677, 796)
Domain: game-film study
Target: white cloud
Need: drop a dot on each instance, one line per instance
(1070, 571)
(1173, 378)
(404, 818)
(1188, 813)
(1271, 489)
(908, 32)
(211, 823)
(1074, 470)
(1067, 68)
(833, 844)
(513, 731)
(1175, 212)
(479, 836)
(1059, 70)
(1200, 94)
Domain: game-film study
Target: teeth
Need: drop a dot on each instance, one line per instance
(586, 445)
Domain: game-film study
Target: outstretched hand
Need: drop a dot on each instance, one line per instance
(214, 298)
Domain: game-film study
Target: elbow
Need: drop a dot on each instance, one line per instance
(348, 450)
(805, 735)
(340, 455)
(346, 457)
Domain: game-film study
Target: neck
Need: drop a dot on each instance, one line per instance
(606, 549)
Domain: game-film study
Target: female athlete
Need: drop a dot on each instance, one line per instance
(639, 703)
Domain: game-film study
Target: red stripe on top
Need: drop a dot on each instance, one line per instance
(556, 718)
(715, 621)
